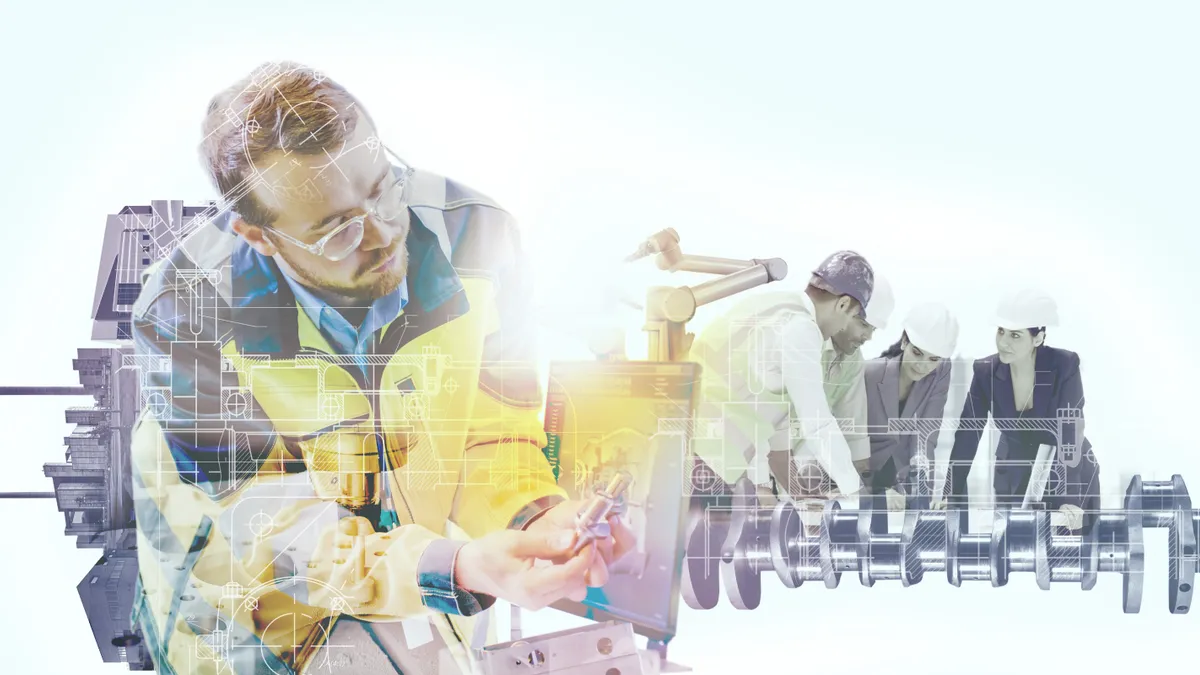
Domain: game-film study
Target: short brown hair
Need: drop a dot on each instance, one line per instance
(279, 105)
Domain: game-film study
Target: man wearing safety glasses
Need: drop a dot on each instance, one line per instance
(340, 458)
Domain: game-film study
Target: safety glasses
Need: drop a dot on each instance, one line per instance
(346, 237)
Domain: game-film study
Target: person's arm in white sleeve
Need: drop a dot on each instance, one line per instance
(804, 381)
(851, 410)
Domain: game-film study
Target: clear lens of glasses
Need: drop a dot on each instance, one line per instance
(391, 203)
(390, 206)
(344, 242)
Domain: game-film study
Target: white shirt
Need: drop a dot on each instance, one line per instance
(846, 391)
(790, 361)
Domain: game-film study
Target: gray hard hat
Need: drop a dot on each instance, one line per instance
(848, 273)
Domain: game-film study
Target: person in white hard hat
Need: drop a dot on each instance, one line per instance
(1034, 395)
(910, 380)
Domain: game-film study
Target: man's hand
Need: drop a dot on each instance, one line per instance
(806, 481)
(863, 467)
(561, 518)
(896, 501)
(504, 564)
(1068, 516)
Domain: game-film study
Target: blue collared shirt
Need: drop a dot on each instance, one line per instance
(342, 336)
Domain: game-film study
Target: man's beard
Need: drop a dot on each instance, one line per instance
(840, 344)
(379, 285)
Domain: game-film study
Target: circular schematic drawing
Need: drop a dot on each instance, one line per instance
(157, 404)
(309, 138)
(236, 404)
(331, 406)
(1056, 483)
(298, 630)
(261, 524)
(700, 479)
(810, 479)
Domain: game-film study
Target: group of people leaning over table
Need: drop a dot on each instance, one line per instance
(807, 418)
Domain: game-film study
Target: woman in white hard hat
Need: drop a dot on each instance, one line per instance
(1034, 395)
(911, 380)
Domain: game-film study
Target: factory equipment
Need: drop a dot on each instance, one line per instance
(736, 543)
(613, 416)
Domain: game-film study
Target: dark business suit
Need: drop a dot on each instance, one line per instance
(892, 454)
(1057, 386)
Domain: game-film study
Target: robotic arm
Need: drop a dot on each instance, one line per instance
(668, 309)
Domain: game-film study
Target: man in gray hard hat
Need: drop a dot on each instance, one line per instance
(842, 364)
(763, 398)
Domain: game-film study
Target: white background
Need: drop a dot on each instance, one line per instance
(964, 149)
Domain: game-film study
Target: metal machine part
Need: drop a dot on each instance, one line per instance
(660, 393)
(745, 540)
(592, 521)
(605, 648)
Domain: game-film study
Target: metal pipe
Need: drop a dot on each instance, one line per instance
(718, 289)
(43, 391)
(594, 513)
(705, 264)
(27, 495)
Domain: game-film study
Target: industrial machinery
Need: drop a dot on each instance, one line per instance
(92, 487)
(737, 543)
(615, 416)
(623, 428)
(607, 648)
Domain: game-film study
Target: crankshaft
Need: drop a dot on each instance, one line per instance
(737, 543)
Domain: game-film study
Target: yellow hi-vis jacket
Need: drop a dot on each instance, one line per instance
(264, 464)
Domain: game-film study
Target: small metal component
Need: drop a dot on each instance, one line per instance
(746, 551)
(700, 584)
(597, 648)
(1020, 540)
(592, 521)
(1131, 585)
(1183, 536)
(787, 538)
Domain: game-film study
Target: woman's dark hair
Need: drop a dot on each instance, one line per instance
(896, 349)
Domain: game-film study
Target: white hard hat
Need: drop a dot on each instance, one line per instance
(932, 329)
(1027, 308)
(879, 307)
